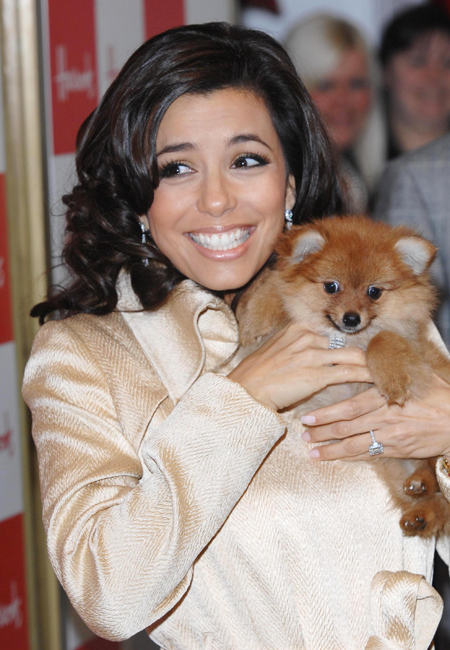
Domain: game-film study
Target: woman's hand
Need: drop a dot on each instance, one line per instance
(294, 364)
(419, 429)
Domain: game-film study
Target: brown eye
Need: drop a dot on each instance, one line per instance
(331, 287)
(374, 292)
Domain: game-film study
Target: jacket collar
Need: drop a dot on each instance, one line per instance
(177, 337)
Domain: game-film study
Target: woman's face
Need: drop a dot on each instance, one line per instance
(220, 203)
(418, 81)
(343, 98)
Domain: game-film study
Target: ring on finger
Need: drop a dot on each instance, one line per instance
(376, 447)
(337, 342)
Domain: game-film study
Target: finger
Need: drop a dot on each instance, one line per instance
(349, 448)
(347, 428)
(294, 334)
(344, 356)
(397, 443)
(342, 374)
(366, 402)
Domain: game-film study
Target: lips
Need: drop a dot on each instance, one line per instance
(221, 241)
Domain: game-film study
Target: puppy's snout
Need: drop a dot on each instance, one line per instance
(351, 319)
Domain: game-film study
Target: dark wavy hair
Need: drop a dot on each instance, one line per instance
(116, 157)
(409, 25)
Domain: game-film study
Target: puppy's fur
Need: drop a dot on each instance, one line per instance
(368, 282)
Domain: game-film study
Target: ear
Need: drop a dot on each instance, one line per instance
(289, 201)
(416, 252)
(308, 242)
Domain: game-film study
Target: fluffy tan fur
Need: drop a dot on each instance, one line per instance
(383, 303)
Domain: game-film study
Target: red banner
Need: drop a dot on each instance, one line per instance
(6, 333)
(13, 617)
(73, 62)
(160, 16)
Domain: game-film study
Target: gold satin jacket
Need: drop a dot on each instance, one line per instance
(174, 501)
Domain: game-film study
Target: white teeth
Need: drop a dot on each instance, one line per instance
(224, 242)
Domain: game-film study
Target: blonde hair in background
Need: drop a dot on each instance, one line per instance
(316, 45)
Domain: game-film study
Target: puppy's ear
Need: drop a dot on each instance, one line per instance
(416, 252)
(308, 242)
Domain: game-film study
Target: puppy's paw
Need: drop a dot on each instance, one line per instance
(421, 483)
(396, 388)
(425, 518)
(396, 367)
(413, 523)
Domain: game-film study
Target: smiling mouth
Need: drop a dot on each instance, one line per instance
(224, 242)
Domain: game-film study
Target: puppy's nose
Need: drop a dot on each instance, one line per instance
(351, 319)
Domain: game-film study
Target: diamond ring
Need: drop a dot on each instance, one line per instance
(337, 342)
(375, 448)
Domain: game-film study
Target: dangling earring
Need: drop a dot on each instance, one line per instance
(288, 218)
(144, 239)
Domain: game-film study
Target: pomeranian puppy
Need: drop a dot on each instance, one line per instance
(367, 283)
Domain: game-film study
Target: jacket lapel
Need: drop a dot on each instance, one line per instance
(171, 337)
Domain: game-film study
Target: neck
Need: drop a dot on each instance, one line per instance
(412, 136)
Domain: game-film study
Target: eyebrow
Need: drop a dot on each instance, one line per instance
(238, 139)
(172, 148)
(248, 137)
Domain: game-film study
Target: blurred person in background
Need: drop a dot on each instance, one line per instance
(415, 55)
(339, 71)
(415, 191)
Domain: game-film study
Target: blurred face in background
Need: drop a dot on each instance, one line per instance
(418, 82)
(344, 97)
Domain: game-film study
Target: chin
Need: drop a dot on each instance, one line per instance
(225, 283)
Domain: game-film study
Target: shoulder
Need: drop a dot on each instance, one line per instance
(97, 361)
(416, 182)
(85, 335)
(88, 348)
(432, 156)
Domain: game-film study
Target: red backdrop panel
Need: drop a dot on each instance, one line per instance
(13, 617)
(160, 16)
(6, 332)
(73, 62)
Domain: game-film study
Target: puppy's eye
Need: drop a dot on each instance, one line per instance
(331, 287)
(374, 292)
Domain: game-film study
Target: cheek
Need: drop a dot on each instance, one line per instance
(167, 210)
(362, 103)
(323, 101)
(408, 82)
(268, 198)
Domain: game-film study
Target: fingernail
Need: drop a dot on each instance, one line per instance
(314, 453)
(306, 437)
(308, 419)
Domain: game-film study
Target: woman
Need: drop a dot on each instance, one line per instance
(415, 55)
(172, 497)
(337, 68)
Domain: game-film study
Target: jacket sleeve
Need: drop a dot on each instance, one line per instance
(123, 535)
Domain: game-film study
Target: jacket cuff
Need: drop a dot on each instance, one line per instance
(443, 475)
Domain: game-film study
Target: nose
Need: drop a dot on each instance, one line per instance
(341, 98)
(216, 196)
(351, 319)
